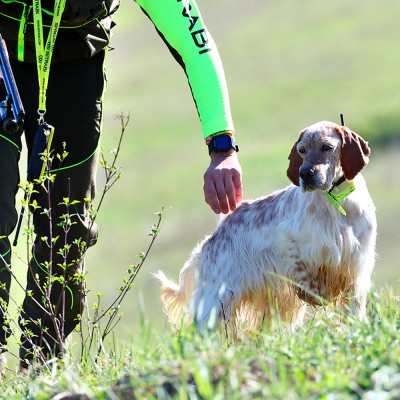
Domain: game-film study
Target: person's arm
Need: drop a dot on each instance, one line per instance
(180, 25)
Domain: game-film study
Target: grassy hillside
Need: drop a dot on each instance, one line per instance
(288, 64)
(330, 358)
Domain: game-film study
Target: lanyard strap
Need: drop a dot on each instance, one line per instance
(44, 51)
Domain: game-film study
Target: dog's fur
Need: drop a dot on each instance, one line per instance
(289, 249)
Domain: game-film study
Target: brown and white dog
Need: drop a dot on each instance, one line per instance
(312, 242)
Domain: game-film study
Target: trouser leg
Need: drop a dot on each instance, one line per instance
(55, 276)
(9, 178)
(5, 283)
(74, 108)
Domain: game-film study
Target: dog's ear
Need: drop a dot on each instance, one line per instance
(355, 153)
(295, 162)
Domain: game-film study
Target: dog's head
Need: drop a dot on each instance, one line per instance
(324, 151)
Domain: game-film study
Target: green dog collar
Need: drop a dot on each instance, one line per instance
(339, 192)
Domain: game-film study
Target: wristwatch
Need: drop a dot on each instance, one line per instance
(222, 143)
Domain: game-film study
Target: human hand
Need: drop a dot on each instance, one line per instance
(223, 182)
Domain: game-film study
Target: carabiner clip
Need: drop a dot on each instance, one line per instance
(41, 116)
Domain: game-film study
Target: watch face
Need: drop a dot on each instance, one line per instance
(223, 142)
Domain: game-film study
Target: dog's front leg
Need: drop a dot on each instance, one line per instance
(358, 293)
(212, 305)
(355, 303)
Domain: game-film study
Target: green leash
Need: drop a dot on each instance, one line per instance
(339, 192)
(44, 51)
(45, 132)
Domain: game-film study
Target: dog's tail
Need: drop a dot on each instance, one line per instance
(177, 299)
(173, 299)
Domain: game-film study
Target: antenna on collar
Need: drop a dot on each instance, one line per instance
(342, 119)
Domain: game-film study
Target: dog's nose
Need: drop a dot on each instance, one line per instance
(306, 172)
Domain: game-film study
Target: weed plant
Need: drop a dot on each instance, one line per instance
(98, 321)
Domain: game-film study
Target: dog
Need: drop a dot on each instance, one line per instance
(308, 244)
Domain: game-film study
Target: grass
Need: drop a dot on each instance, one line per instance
(331, 357)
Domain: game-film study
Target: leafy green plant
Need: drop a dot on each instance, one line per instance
(99, 321)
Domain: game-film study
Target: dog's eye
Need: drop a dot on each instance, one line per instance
(301, 150)
(327, 147)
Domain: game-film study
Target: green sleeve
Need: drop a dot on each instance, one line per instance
(180, 25)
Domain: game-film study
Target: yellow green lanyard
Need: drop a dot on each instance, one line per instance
(44, 52)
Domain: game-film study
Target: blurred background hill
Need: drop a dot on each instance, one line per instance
(288, 64)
